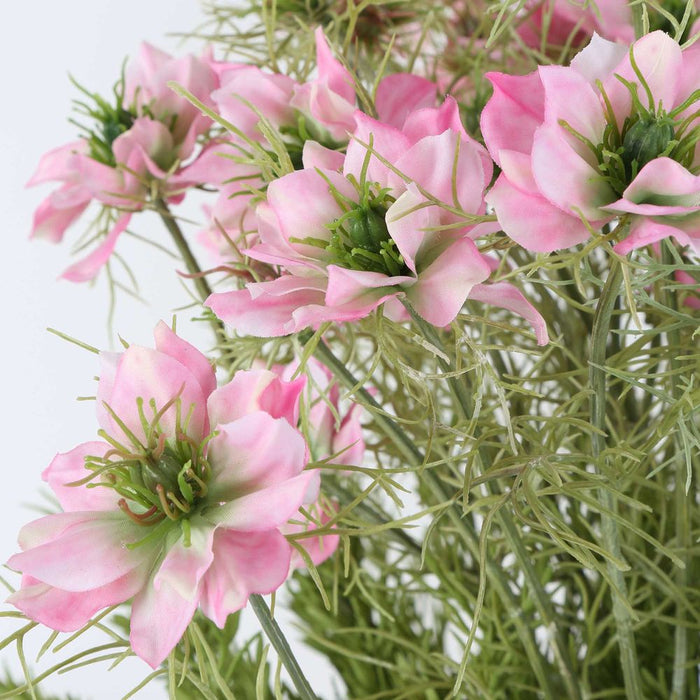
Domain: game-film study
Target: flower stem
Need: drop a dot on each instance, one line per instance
(542, 601)
(610, 531)
(200, 282)
(415, 457)
(279, 642)
(683, 500)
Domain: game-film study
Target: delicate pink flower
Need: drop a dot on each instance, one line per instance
(572, 22)
(231, 226)
(612, 135)
(148, 136)
(325, 104)
(392, 224)
(181, 505)
(147, 93)
(332, 430)
(330, 97)
(348, 242)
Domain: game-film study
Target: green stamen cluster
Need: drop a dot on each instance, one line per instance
(649, 132)
(111, 120)
(360, 239)
(159, 479)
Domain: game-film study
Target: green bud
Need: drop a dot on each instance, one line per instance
(367, 228)
(645, 140)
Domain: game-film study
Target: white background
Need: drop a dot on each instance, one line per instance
(40, 43)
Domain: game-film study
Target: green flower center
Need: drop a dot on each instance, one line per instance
(648, 138)
(360, 238)
(648, 132)
(160, 478)
(106, 122)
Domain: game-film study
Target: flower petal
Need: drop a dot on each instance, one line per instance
(506, 296)
(184, 565)
(513, 113)
(187, 355)
(269, 507)
(244, 563)
(159, 618)
(270, 313)
(90, 552)
(256, 390)
(442, 288)
(65, 611)
(573, 185)
(86, 269)
(252, 453)
(532, 221)
(68, 467)
(400, 94)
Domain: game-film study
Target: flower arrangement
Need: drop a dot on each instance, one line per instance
(448, 416)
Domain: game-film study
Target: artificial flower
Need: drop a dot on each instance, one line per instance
(613, 135)
(180, 505)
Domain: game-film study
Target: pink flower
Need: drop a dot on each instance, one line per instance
(179, 506)
(613, 135)
(571, 21)
(325, 104)
(389, 226)
(231, 226)
(348, 242)
(331, 429)
(330, 97)
(146, 92)
(146, 137)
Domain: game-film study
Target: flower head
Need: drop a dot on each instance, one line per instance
(141, 141)
(347, 242)
(613, 135)
(180, 505)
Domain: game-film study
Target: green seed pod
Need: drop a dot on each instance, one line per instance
(644, 141)
(367, 228)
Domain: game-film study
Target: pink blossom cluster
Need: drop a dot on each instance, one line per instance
(185, 501)
(374, 200)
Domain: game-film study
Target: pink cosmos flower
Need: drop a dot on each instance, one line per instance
(179, 506)
(148, 135)
(613, 135)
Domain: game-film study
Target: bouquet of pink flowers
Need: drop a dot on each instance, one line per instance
(449, 415)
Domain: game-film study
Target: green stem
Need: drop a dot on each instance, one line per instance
(415, 457)
(279, 642)
(200, 282)
(610, 531)
(542, 601)
(683, 536)
(637, 20)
